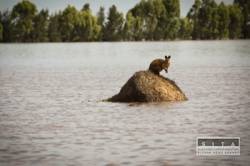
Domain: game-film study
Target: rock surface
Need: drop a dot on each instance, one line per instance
(144, 86)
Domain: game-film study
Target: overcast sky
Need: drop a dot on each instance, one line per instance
(122, 5)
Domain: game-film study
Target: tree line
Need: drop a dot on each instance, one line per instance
(148, 20)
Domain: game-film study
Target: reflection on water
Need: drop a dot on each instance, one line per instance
(51, 114)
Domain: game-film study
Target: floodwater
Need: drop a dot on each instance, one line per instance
(51, 111)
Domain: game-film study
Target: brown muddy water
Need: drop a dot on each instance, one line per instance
(51, 111)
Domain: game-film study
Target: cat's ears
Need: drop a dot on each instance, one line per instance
(167, 57)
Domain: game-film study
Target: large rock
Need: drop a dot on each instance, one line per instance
(145, 86)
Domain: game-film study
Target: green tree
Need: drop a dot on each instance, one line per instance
(1, 32)
(133, 28)
(101, 21)
(53, 29)
(193, 17)
(86, 7)
(114, 25)
(128, 31)
(147, 20)
(5, 20)
(245, 8)
(138, 30)
(157, 14)
(172, 28)
(186, 28)
(86, 27)
(22, 17)
(74, 25)
(138, 18)
(171, 20)
(223, 21)
(236, 21)
(213, 27)
(172, 8)
(150, 20)
(67, 23)
(41, 23)
(208, 20)
(150, 16)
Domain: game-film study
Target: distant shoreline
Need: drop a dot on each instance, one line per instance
(148, 20)
(146, 41)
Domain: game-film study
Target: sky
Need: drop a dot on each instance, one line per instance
(122, 5)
